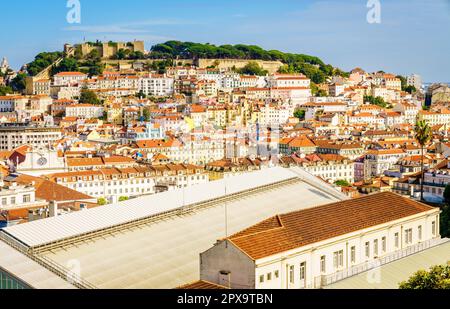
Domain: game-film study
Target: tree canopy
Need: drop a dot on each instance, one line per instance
(311, 66)
(437, 277)
(89, 97)
(19, 82)
(66, 65)
(4, 90)
(342, 183)
(42, 61)
(253, 68)
(300, 114)
(379, 101)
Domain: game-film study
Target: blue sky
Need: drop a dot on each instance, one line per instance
(413, 37)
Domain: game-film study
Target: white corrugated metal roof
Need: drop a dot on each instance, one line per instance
(46, 231)
(165, 253)
(28, 271)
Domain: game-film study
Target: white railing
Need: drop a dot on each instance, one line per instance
(366, 266)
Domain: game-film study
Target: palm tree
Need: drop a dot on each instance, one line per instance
(423, 135)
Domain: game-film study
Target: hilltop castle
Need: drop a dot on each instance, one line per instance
(106, 50)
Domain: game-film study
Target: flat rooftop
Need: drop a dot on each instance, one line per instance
(162, 251)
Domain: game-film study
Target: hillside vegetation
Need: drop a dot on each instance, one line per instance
(311, 66)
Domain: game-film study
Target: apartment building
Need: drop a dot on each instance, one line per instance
(329, 167)
(436, 180)
(156, 85)
(68, 78)
(86, 111)
(113, 183)
(288, 80)
(303, 249)
(13, 136)
(441, 117)
(300, 144)
(314, 108)
(347, 150)
(99, 162)
(376, 162)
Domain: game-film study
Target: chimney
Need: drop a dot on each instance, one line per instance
(53, 209)
(225, 278)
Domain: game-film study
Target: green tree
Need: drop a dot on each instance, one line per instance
(403, 81)
(42, 61)
(447, 194)
(316, 91)
(123, 198)
(342, 183)
(89, 97)
(379, 101)
(410, 89)
(300, 114)
(445, 220)
(4, 90)
(19, 82)
(66, 65)
(438, 277)
(253, 68)
(141, 94)
(423, 135)
(102, 201)
(146, 115)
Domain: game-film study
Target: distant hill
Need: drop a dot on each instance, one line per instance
(311, 66)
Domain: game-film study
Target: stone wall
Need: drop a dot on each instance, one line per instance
(271, 66)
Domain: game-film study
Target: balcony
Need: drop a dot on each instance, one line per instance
(369, 265)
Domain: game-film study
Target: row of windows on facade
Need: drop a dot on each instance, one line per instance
(338, 256)
(143, 181)
(12, 200)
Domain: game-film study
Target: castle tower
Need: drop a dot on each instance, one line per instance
(4, 66)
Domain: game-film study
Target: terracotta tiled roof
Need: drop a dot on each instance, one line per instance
(50, 191)
(304, 227)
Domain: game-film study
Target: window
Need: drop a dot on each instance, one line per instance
(367, 250)
(433, 228)
(383, 244)
(408, 236)
(375, 247)
(4, 201)
(291, 274)
(277, 274)
(26, 198)
(323, 264)
(261, 279)
(13, 200)
(269, 276)
(420, 232)
(338, 259)
(353, 254)
(396, 240)
(303, 271)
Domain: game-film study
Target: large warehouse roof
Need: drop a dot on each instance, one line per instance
(165, 253)
(28, 271)
(50, 230)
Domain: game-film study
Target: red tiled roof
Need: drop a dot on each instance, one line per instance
(297, 229)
